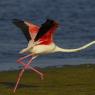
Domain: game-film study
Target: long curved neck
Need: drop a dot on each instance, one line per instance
(58, 49)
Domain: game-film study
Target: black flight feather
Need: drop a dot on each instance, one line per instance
(24, 28)
(44, 29)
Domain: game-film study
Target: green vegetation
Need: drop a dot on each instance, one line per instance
(68, 80)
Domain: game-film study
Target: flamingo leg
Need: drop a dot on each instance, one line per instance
(26, 66)
(38, 72)
(29, 67)
(18, 80)
(22, 58)
(22, 71)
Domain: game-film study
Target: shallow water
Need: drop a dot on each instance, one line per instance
(77, 27)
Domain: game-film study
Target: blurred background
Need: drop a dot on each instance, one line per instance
(77, 28)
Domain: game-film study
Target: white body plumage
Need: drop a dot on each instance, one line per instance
(51, 48)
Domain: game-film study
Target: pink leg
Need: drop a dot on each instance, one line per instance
(39, 73)
(22, 71)
(19, 77)
(25, 67)
(22, 58)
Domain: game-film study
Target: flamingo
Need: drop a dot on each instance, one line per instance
(40, 41)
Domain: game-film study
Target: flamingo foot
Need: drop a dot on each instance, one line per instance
(26, 66)
(42, 77)
(38, 72)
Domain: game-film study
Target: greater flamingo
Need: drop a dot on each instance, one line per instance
(40, 41)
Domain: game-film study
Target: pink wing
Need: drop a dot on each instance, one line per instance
(33, 30)
(44, 34)
(46, 38)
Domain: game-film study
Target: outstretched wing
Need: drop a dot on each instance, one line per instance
(45, 33)
(28, 29)
(35, 33)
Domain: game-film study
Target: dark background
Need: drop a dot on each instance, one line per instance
(77, 27)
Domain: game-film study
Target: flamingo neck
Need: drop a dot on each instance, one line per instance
(58, 49)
